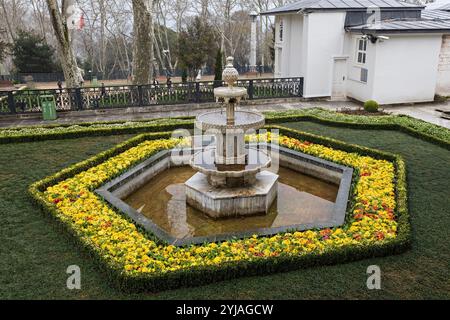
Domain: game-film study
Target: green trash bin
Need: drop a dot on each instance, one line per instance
(48, 105)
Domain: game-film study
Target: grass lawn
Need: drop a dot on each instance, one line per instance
(34, 255)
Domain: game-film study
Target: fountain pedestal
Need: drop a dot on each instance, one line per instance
(229, 181)
(231, 202)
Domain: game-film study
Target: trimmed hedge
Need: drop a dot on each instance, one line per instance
(371, 106)
(203, 275)
(417, 128)
(411, 126)
(69, 132)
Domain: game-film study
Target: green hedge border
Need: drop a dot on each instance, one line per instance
(91, 123)
(205, 275)
(171, 125)
(417, 128)
(367, 126)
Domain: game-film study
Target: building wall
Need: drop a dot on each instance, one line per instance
(296, 49)
(309, 44)
(406, 68)
(325, 39)
(402, 69)
(278, 48)
(288, 37)
(355, 88)
(289, 50)
(443, 79)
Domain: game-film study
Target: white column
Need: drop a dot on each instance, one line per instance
(254, 18)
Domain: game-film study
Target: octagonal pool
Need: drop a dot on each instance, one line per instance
(302, 199)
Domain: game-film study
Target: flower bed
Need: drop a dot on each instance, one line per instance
(136, 260)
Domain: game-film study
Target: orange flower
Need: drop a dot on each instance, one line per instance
(365, 174)
(379, 235)
(325, 233)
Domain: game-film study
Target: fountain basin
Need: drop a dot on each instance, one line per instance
(153, 196)
(231, 174)
(244, 200)
(217, 121)
(228, 94)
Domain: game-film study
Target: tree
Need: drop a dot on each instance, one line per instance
(272, 46)
(165, 46)
(238, 37)
(218, 68)
(143, 41)
(60, 23)
(195, 46)
(32, 54)
(184, 75)
(165, 38)
(3, 49)
(228, 29)
(106, 39)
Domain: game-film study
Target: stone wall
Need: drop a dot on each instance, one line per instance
(443, 81)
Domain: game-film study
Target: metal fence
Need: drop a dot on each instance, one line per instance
(91, 98)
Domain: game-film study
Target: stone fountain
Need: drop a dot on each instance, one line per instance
(174, 193)
(231, 180)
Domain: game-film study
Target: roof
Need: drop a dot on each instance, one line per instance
(431, 21)
(345, 5)
(435, 15)
(405, 26)
(444, 7)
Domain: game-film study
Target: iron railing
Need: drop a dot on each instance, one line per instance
(89, 98)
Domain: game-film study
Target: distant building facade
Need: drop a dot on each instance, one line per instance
(385, 50)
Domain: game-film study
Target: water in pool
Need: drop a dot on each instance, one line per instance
(301, 200)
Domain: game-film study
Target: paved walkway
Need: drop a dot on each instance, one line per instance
(426, 112)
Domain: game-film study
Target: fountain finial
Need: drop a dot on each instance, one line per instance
(230, 75)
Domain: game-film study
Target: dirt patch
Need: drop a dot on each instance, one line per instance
(362, 112)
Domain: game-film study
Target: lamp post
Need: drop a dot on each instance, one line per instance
(166, 65)
(156, 71)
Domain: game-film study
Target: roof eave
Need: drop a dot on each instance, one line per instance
(278, 13)
(307, 10)
(388, 31)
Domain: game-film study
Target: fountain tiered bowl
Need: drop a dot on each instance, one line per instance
(222, 167)
(230, 181)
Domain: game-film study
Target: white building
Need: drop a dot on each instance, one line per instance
(398, 53)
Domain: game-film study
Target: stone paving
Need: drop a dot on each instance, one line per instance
(424, 111)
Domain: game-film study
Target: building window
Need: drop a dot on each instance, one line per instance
(361, 51)
(280, 34)
(364, 75)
